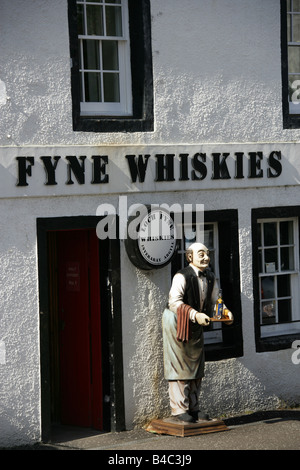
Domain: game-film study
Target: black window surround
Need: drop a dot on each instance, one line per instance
(270, 343)
(290, 121)
(141, 74)
(232, 344)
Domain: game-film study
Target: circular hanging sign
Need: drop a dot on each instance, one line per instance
(156, 242)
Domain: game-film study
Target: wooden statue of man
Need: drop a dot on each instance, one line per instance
(192, 300)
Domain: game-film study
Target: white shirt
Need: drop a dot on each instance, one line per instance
(178, 288)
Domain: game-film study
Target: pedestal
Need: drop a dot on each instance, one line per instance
(174, 427)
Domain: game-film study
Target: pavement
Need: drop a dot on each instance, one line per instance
(268, 430)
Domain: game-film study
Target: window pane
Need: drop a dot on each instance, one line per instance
(283, 286)
(294, 84)
(294, 59)
(268, 287)
(189, 235)
(79, 49)
(296, 28)
(94, 18)
(212, 264)
(81, 87)
(296, 5)
(111, 87)
(270, 234)
(289, 20)
(80, 20)
(91, 55)
(113, 1)
(286, 233)
(288, 5)
(284, 310)
(92, 87)
(268, 313)
(260, 261)
(113, 21)
(259, 235)
(110, 55)
(271, 263)
(287, 259)
(209, 236)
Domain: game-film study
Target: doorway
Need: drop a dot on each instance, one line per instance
(81, 379)
(76, 329)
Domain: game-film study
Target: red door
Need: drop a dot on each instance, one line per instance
(80, 338)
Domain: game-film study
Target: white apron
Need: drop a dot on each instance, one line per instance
(182, 360)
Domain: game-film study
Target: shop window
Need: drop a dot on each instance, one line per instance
(221, 238)
(111, 65)
(290, 48)
(276, 279)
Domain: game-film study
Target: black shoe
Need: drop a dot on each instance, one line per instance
(186, 417)
(200, 416)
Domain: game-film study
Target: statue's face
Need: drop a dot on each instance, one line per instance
(201, 257)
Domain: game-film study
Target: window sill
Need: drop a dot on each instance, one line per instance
(275, 330)
(291, 121)
(275, 343)
(219, 351)
(112, 124)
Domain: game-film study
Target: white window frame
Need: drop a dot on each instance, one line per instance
(124, 107)
(214, 335)
(293, 326)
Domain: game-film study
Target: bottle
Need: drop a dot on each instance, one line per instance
(219, 306)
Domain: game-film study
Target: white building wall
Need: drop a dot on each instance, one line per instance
(216, 66)
(217, 79)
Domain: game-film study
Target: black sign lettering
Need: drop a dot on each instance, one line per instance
(198, 163)
(24, 168)
(77, 168)
(239, 165)
(183, 167)
(165, 167)
(255, 170)
(50, 169)
(274, 164)
(137, 167)
(99, 169)
(220, 169)
(190, 167)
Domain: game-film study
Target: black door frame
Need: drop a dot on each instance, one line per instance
(110, 279)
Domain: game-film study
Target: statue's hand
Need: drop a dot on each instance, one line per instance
(202, 319)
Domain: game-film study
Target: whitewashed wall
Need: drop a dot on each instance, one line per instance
(216, 66)
(217, 79)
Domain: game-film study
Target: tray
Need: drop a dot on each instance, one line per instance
(220, 319)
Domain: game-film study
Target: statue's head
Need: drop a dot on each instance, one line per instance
(198, 255)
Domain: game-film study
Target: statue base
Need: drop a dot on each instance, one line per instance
(174, 427)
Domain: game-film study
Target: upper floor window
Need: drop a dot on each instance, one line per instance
(290, 47)
(104, 58)
(111, 67)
